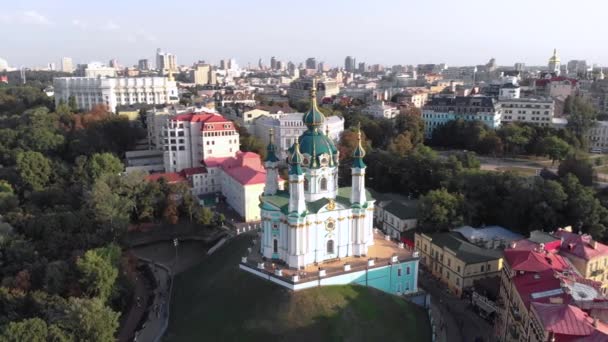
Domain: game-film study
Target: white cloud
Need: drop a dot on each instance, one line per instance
(111, 26)
(33, 17)
(79, 24)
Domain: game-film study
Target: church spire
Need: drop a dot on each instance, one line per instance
(271, 149)
(313, 119)
(295, 160)
(359, 152)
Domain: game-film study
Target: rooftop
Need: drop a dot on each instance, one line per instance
(582, 246)
(464, 250)
(488, 234)
(246, 167)
(382, 252)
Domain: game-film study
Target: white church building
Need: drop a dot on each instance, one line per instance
(314, 220)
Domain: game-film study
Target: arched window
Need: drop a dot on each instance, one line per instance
(305, 184)
(275, 246)
(323, 184)
(330, 246)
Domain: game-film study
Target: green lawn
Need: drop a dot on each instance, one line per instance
(215, 301)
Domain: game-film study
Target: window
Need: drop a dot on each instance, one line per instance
(458, 269)
(398, 272)
(323, 184)
(407, 270)
(275, 246)
(330, 247)
(305, 184)
(482, 268)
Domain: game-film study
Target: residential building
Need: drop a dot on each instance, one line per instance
(589, 257)
(556, 87)
(538, 111)
(395, 214)
(597, 136)
(350, 64)
(311, 63)
(191, 138)
(455, 261)
(165, 61)
(416, 96)
(143, 65)
(287, 127)
(112, 92)
(440, 110)
(543, 298)
(3, 65)
(577, 68)
(66, 64)
(95, 69)
(381, 109)
(298, 89)
(509, 91)
(203, 74)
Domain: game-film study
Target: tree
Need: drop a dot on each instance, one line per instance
(204, 216)
(440, 210)
(102, 164)
(34, 329)
(516, 137)
(98, 274)
(90, 320)
(55, 277)
(401, 145)
(34, 170)
(170, 214)
(490, 144)
(555, 148)
(72, 104)
(580, 168)
(108, 206)
(583, 210)
(582, 115)
(412, 123)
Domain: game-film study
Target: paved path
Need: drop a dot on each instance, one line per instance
(459, 321)
(136, 312)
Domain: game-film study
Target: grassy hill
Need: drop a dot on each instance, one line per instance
(215, 301)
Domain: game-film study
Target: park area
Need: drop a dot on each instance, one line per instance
(215, 301)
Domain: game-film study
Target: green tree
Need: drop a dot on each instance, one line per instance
(579, 167)
(32, 330)
(515, 137)
(100, 164)
(34, 170)
(90, 320)
(584, 210)
(107, 205)
(98, 274)
(170, 214)
(72, 104)
(401, 145)
(555, 148)
(204, 216)
(582, 115)
(440, 210)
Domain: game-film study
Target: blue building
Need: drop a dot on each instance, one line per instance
(441, 110)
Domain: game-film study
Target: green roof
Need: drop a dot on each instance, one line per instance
(407, 209)
(271, 155)
(315, 143)
(281, 200)
(465, 251)
(358, 163)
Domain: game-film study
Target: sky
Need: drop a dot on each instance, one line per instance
(464, 32)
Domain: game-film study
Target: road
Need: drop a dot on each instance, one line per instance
(460, 322)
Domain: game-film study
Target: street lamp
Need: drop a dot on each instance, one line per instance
(175, 244)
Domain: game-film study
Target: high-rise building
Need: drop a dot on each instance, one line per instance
(273, 63)
(311, 63)
(260, 64)
(350, 64)
(165, 61)
(66, 64)
(142, 64)
(232, 64)
(520, 66)
(362, 68)
(223, 64)
(280, 65)
(51, 66)
(202, 74)
(113, 63)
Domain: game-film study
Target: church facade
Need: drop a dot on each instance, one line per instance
(313, 220)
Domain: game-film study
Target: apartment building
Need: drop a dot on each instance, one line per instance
(440, 110)
(538, 111)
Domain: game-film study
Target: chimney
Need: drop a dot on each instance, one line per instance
(593, 244)
(513, 244)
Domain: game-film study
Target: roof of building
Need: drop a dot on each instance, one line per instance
(210, 121)
(489, 233)
(194, 171)
(464, 250)
(534, 260)
(281, 200)
(407, 209)
(582, 246)
(462, 101)
(246, 167)
(564, 319)
(543, 82)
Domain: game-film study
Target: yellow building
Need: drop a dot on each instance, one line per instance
(588, 256)
(456, 261)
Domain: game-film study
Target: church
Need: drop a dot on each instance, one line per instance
(314, 220)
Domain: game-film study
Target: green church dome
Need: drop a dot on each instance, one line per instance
(313, 118)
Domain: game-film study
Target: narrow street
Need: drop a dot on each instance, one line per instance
(460, 322)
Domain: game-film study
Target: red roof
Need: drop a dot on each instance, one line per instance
(543, 82)
(170, 177)
(581, 246)
(564, 319)
(246, 168)
(534, 260)
(193, 171)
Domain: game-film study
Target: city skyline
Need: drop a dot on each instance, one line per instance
(243, 32)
